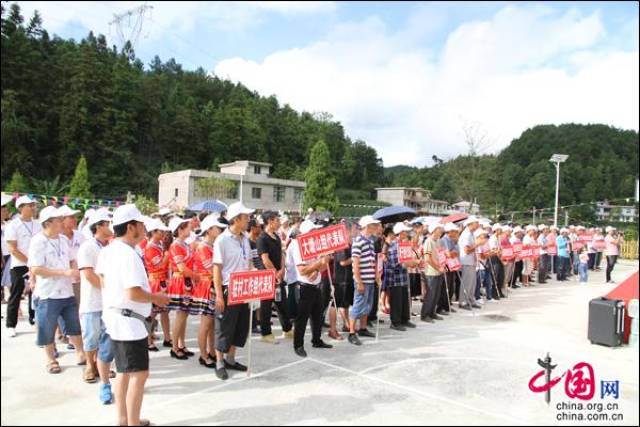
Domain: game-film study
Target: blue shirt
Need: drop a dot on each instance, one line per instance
(561, 242)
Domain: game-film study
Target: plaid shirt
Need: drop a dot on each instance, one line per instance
(395, 274)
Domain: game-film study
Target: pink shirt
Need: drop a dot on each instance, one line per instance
(610, 247)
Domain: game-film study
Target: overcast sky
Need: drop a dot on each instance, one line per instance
(406, 76)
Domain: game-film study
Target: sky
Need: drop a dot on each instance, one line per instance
(406, 77)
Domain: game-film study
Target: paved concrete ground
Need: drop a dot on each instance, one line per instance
(462, 370)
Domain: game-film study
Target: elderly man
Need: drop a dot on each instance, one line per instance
(562, 242)
(397, 275)
(449, 243)
(434, 272)
(467, 248)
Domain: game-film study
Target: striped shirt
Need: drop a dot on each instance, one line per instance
(364, 250)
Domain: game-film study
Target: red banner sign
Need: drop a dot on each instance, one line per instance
(248, 286)
(507, 253)
(517, 248)
(453, 264)
(323, 241)
(552, 250)
(442, 257)
(529, 252)
(405, 252)
(599, 245)
(584, 238)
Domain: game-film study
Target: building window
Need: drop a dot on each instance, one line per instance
(256, 193)
(297, 195)
(176, 192)
(278, 193)
(256, 170)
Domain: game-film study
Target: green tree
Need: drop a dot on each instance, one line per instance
(80, 186)
(320, 193)
(18, 184)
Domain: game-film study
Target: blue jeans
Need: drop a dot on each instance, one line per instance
(583, 269)
(484, 279)
(47, 314)
(563, 267)
(95, 336)
(362, 303)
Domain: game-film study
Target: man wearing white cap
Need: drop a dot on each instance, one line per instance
(450, 244)
(527, 264)
(50, 261)
(543, 264)
(516, 237)
(434, 273)
(19, 233)
(363, 255)
(231, 253)
(467, 248)
(126, 303)
(562, 242)
(397, 279)
(73, 236)
(495, 266)
(309, 296)
(96, 340)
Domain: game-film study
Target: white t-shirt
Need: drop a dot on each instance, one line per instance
(88, 258)
(53, 254)
(297, 260)
(122, 269)
(22, 233)
(74, 243)
(5, 247)
(467, 239)
(232, 253)
(290, 263)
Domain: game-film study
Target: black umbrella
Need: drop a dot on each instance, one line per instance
(394, 214)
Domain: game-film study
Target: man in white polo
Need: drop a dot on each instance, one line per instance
(231, 253)
(18, 234)
(126, 303)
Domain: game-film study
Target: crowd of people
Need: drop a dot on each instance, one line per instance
(106, 284)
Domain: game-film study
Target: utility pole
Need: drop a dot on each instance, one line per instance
(121, 26)
(566, 217)
(534, 215)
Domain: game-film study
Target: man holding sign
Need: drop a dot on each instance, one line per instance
(231, 254)
(395, 270)
(308, 293)
(434, 272)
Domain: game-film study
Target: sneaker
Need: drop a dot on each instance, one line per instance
(515, 286)
(12, 332)
(436, 317)
(235, 367)
(222, 374)
(269, 339)
(366, 333)
(322, 344)
(300, 352)
(353, 339)
(480, 301)
(442, 312)
(398, 328)
(491, 300)
(106, 397)
(465, 307)
(583, 283)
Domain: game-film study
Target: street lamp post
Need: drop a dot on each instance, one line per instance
(557, 159)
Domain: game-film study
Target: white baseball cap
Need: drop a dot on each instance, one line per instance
(164, 211)
(24, 200)
(564, 230)
(236, 209)
(507, 229)
(484, 223)
(6, 199)
(307, 226)
(480, 232)
(176, 222)
(470, 220)
(399, 227)
(434, 225)
(211, 221)
(155, 224)
(450, 227)
(531, 228)
(98, 216)
(497, 226)
(49, 212)
(89, 212)
(126, 213)
(284, 219)
(542, 227)
(67, 211)
(580, 227)
(367, 220)
(518, 229)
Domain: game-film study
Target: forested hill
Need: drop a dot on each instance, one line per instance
(62, 99)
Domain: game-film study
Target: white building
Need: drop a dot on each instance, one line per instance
(608, 212)
(468, 207)
(413, 197)
(259, 191)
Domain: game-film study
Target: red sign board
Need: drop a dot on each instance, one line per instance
(517, 248)
(405, 252)
(552, 250)
(507, 253)
(323, 241)
(442, 257)
(528, 252)
(453, 264)
(248, 286)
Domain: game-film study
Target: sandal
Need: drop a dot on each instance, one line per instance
(335, 336)
(153, 348)
(112, 374)
(89, 377)
(53, 367)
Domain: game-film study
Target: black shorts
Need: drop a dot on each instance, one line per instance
(232, 326)
(344, 295)
(131, 356)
